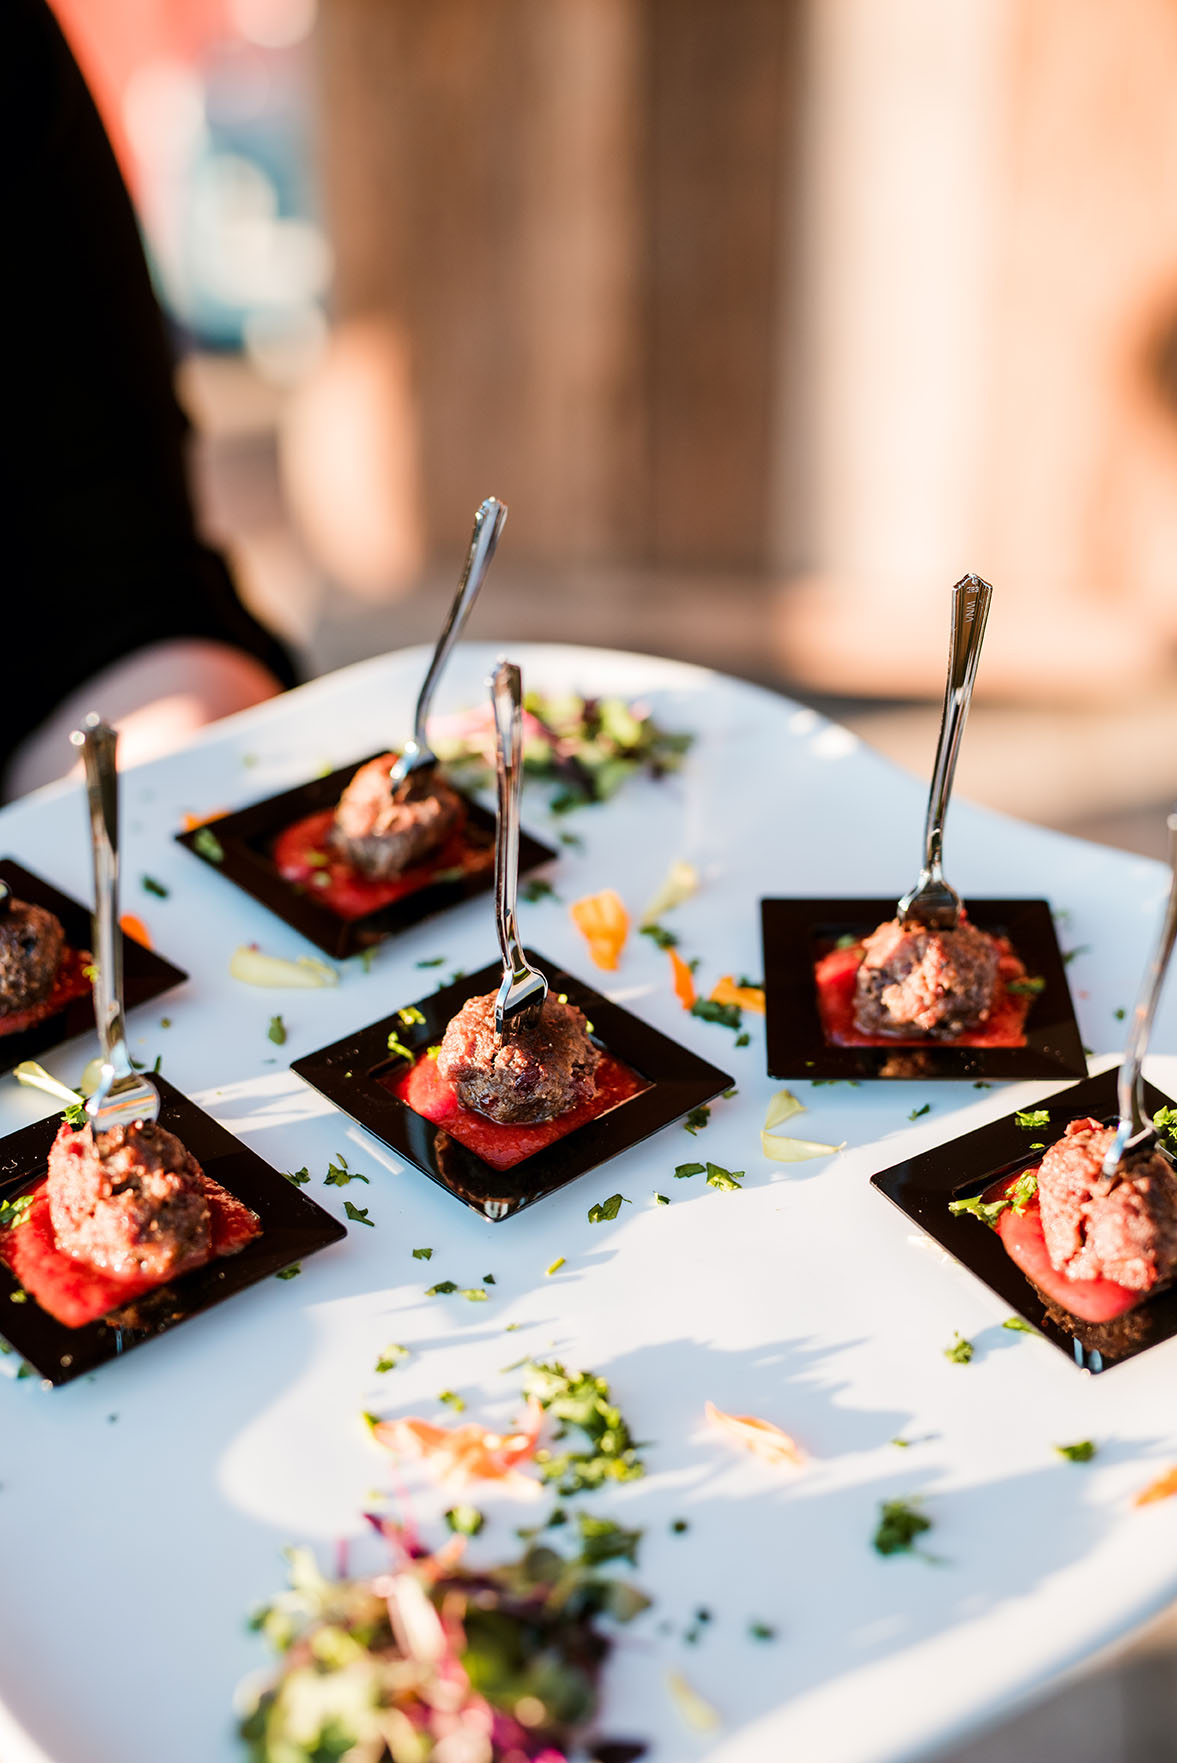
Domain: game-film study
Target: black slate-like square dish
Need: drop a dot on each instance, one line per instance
(349, 1074)
(923, 1186)
(246, 838)
(798, 932)
(145, 974)
(293, 1227)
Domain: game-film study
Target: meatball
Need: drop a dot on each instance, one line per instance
(913, 980)
(131, 1201)
(1122, 1227)
(31, 946)
(382, 834)
(548, 1066)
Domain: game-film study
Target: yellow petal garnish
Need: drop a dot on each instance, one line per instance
(35, 1077)
(785, 1150)
(699, 1715)
(1163, 1488)
(782, 1107)
(744, 997)
(255, 969)
(680, 882)
(760, 1437)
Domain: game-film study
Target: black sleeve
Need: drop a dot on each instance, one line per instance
(98, 539)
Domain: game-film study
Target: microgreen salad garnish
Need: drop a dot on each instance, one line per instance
(581, 1399)
(430, 1659)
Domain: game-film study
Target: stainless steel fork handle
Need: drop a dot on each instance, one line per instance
(507, 697)
(488, 524)
(1135, 1127)
(970, 610)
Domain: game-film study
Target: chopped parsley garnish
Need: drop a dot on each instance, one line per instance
(1120, 1014)
(961, 1351)
(422, 1254)
(982, 1084)
(537, 889)
(476, 1294)
(442, 1289)
(14, 1212)
(151, 886)
(453, 1400)
(165, 1022)
(276, 1031)
(1070, 954)
(727, 1180)
(410, 1015)
(338, 1174)
(847, 940)
(74, 1114)
(1032, 1117)
(18, 1297)
(573, 840)
(603, 1540)
(1017, 1198)
(433, 961)
(918, 1113)
(697, 1118)
(465, 1521)
(1027, 987)
(744, 1040)
(661, 1200)
(557, 1264)
(299, 1177)
(658, 934)
(206, 842)
(290, 1272)
(900, 1522)
(679, 1526)
(582, 1399)
(488, 1279)
(398, 1047)
(1019, 1325)
(358, 1214)
(606, 1210)
(709, 1011)
(685, 1169)
(728, 1094)
(392, 1356)
(762, 1631)
(1083, 1452)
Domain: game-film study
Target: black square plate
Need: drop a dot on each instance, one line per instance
(798, 932)
(349, 1073)
(293, 1226)
(145, 974)
(923, 1186)
(246, 838)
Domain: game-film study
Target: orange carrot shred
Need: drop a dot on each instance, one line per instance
(468, 1452)
(745, 997)
(135, 929)
(684, 980)
(1163, 1488)
(602, 918)
(192, 821)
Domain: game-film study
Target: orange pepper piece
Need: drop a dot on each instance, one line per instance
(746, 997)
(684, 980)
(602, 918)
(192, 821)
(135, 929)
(1162, 1489)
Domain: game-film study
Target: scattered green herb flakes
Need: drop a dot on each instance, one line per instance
(290, 1272)
(685, 1169)
(572, 840)
(151, 886)
(557, 1264)
(18, 1297)
(1070, 954)
(727, 1015)
(728, 1094)
(442, 1289)
(727, 1180)
(488, 1279)
(1019, 1325)
(679, 1527)
(1032, 1117)
(338, 1174)
(583, 1400)
(743, 1040)
(455, 873)
(918, 1113)
(1027, 987)
(207, 844)
(366, 958)
(432, 1052)
(1083, 1452)
(276, 1031)
(697, 1118)
(358, 1214)
(74, 1114)
(476, 1294)
(1017, 1198)
(451, 1399)
(297, 1177)
(761, 1631)
(422, 1254)
(847, 940)
(982, 1084)
(603, 1540)
(659, 935)
(1120, 1014)
(1038, 1147)
(661, 1200)
(537, 889)
(398, 1048)
(829, 1083)
(606, 1210)
(14, 1212)
(392, 1356)
(433, 961)
(90, 972)
(165, 1022)
(961, 1351)
(465, 1521)
(410, 1015)
(900, 1523)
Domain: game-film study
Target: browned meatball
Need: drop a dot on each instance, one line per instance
(548, 1067)
(131, 1200)
(31, 946)
(381, 834)
(915, 981)
(1123, 1227)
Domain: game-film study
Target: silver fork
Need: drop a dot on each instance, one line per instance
(122, 1095)
(932, 902)
(1136, 1132)
(524, 988)
(417, 757)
